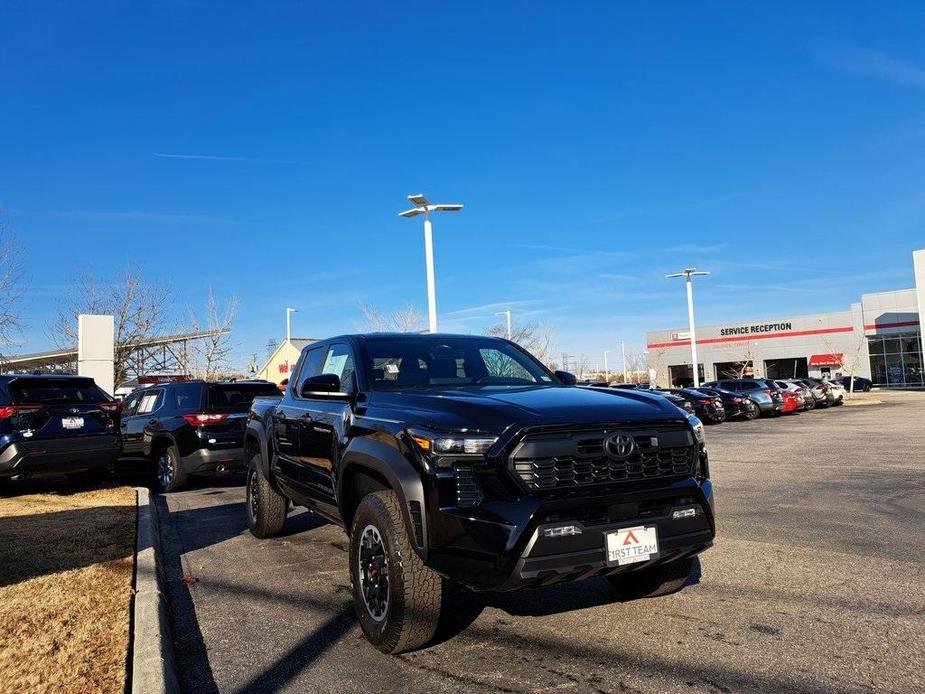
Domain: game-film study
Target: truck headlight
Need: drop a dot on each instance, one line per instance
(445, 448)
(697, 425)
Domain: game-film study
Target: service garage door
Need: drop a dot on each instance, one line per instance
(794, 367)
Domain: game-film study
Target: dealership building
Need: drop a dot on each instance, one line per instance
(879, 337)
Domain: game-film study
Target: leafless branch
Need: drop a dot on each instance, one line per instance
(211, 354)
(11, 285)
(139, 308)
(407, 319)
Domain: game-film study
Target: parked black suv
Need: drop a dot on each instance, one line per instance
(51, 425)
(189, 427)
(453, 458)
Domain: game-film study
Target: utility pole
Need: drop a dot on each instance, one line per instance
(508, 314)
(687, 273)
(623, 351)
(423, 207)
(606, 370)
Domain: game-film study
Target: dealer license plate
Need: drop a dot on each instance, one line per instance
(72, 422)
(631, 545)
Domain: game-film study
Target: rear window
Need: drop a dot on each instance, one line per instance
(56, 391)
(238, 396)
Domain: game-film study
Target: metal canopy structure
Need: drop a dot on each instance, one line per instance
(155, 355)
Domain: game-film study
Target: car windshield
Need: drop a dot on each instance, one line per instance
(450, 362)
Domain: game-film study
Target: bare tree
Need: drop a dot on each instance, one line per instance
(742, 368)
(535, 338)
(210, 354)
(407, 319)
(11, 292)
(636, 366)
(139, 308)
(844, 362)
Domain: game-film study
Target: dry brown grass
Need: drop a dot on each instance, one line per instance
(65, 590)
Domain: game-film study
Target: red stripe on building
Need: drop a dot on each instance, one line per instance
(748, 338)
(903, 324)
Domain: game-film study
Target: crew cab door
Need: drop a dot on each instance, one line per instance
(289, 417)
(323, 428)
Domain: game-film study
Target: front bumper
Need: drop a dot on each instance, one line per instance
(501, 545)
(58, 456)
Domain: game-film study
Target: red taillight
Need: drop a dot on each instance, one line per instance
(112, 406)
(203, 418)
(705, 402)
(737, 399)
(8, 411)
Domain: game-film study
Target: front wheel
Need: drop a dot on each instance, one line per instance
(266, 508)
(655, 581)
(396, 596)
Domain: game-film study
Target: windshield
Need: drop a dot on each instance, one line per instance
(449, 362)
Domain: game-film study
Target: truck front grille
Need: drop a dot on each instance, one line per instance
(577, 460)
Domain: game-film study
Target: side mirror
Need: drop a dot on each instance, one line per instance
(568, 379)
(324, 384)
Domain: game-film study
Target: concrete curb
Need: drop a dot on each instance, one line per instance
(862, 403)
(153, 667)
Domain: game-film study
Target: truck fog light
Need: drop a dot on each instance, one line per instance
(684, 513)
(562, 531)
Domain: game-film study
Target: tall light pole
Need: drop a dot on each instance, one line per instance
(289, 312)
(606, 370)
(687, 273)
(508, 314)
(424, 207)
(623, 352)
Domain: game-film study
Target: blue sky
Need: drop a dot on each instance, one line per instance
(265, 150)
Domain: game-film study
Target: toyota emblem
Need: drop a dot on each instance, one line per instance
(74, 410)
(620, 445)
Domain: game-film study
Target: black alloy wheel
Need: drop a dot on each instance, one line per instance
(373, 569)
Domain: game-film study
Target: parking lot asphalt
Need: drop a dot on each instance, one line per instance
(815, 584)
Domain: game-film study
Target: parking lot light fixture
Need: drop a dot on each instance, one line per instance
(422, 206)
(687, 273)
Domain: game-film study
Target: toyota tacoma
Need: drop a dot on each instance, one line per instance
(457, 460)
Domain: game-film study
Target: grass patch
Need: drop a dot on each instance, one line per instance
(65, 590)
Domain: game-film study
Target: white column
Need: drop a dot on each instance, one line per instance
(96, 350)
(431, 282)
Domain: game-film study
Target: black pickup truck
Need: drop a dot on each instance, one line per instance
(453, 459)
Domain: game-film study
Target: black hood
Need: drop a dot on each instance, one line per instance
(493, 410)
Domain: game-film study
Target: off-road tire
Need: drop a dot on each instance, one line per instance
(654, 582)
(266, 508)
(414, 591)
(175, 479)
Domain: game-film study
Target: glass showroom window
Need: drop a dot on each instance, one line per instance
(896, 360)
